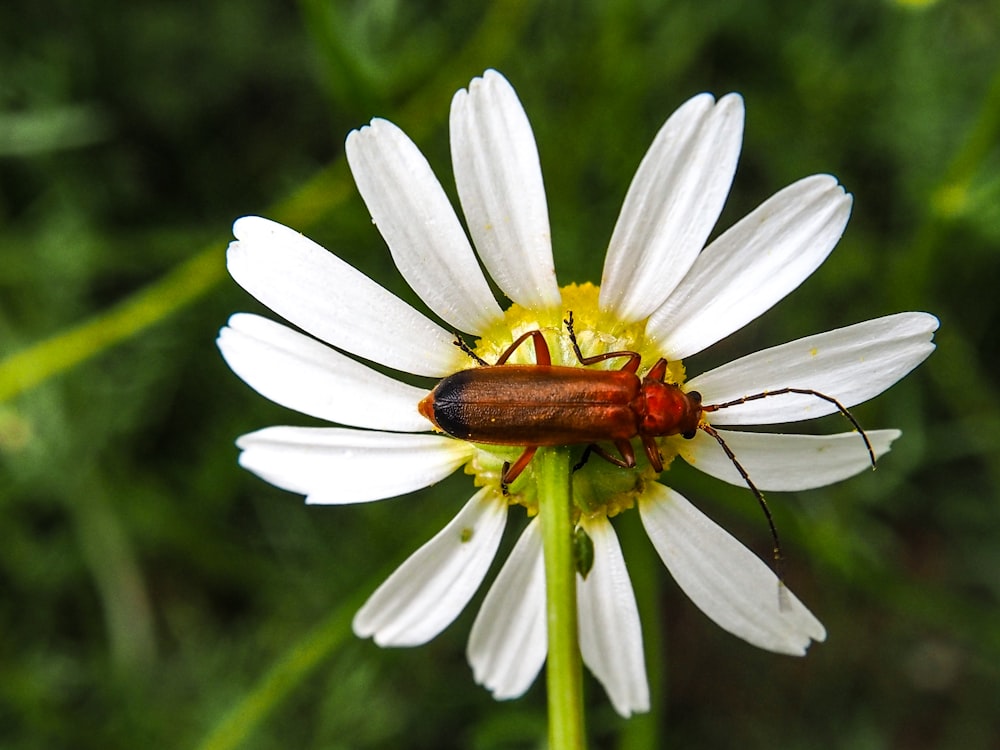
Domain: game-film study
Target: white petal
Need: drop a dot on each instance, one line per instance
(499, 182)
(752, 265)
(335, 302)
(508, 642)
(428, 591)
(427, 242)
(300, 373)
(723, 578)
(338, 466)
(610, 633)
(672, 204)
(850, 364)
(785, 463)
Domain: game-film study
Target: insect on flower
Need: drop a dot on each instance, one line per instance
(544, 405)
(667, 293)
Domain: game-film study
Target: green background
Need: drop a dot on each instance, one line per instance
(153, 594)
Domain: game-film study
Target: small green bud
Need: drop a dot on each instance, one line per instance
(583, 551)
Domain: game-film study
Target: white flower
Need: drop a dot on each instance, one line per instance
(663, 294)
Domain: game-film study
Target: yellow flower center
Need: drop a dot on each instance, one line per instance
(599, 487)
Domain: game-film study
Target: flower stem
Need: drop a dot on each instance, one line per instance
(564, 675)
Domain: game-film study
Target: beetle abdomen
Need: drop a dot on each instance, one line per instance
(535, 405)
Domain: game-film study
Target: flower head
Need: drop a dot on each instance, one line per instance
(664, 294)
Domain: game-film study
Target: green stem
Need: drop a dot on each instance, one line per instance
(564, 675)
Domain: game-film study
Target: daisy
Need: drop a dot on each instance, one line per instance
(663, 293)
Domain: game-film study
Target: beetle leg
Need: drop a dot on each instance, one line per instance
(542, 356)
(658, 371)
(627, 461)
(512, 471)
(653, 452)
(584, 458)
(625, 448)
(634, 358)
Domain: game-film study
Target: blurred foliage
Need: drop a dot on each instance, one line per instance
(155, 594)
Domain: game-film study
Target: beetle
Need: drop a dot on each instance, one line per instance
(548, 405)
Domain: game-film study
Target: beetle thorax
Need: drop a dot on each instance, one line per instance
(667, 410)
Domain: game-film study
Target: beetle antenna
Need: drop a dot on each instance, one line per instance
(802, 392)
(460, 343)
(572, 335)
(779, 559)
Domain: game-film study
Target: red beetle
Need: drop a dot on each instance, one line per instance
(546, 404)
